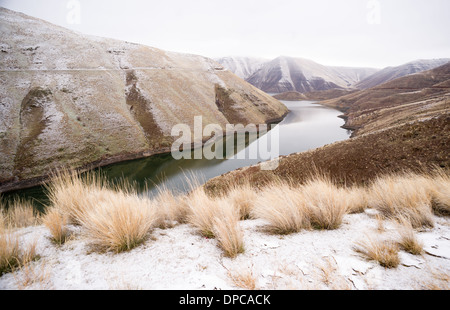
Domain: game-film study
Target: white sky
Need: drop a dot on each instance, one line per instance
(331, 32)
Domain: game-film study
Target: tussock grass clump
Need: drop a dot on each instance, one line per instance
(227, 230)
(440, 193)
(202, 211)
(73, 195)
(170, 208)
(326, 204)
(357, 199)
(384, 252)
(119, 222)
(408, 239)
(12, 256)
(243, 198)
(57, 224)
(19, 214)
(283, 207)
(403, 197)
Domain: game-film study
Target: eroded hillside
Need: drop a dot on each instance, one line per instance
(67, 99)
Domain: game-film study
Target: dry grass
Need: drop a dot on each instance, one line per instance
(243, 198)
(326, 203)
(19, 214)
(357, 199)
(283, 207)
(403, 197)
(202, 212)
(57, 224)
(384, 252)
(12, 256)
(408, 239)
(440, 193)
(170, 208)
(227, 230)
(119, 222)
(244, 280)
(73, 195)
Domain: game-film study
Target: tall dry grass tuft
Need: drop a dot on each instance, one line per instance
(403, 197)
(57, 224)
(357, 199)
(243, 198)
(227, 231)
(118, 222)
(20, 213)
(408, 238)
(384, 252)
(12, 256)
(440, 193)
(170, 208)
(73, 195)
(283, 207)
(326, 203)
(202, 211)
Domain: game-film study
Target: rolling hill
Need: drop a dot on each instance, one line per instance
(68, 99)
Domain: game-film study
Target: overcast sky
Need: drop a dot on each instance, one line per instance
(375, 33)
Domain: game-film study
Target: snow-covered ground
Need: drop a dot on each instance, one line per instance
(179, 258)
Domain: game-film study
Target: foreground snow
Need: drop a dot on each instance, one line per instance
(179, 258)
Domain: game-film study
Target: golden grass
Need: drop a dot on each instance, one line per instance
(244, 280)
(243, 198)
(440, 193)
(283, 207)
(12, 256)
(202, 211)
(408, 239)
(19, 214)
(118, 222)
(403, 197)
(384, 252)
(227, 230)
(74, 195)
(326, 204)
(57, 225)
(170, 208)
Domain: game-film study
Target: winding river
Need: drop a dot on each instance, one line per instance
(307, 126)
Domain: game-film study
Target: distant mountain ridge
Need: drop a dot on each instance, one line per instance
(285, 74)
(392, 73)
(290, 74)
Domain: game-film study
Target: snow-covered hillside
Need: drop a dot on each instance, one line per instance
(72, 99)
(243, 67)
(392, 73)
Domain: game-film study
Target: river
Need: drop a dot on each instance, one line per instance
(308, 126)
